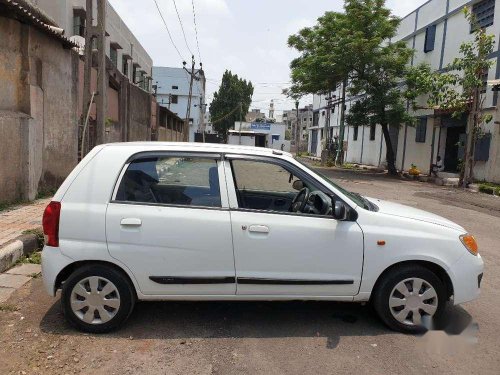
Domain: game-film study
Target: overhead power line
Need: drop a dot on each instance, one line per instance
(168, 30)
(182, 28)
(222, 118)
(196, 31)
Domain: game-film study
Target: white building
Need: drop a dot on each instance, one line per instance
(435, 31)
(173, 93)
(259, 134)
(122, 47)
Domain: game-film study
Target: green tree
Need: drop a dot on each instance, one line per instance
(231, 103)
(460, 89)
(354, 47)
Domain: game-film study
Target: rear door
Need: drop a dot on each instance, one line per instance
(169, 223)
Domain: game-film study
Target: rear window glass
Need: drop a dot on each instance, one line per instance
(189, 181)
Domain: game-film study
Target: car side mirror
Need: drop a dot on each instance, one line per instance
(340, 211)
(298, 185)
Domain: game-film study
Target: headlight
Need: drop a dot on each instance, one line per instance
(469, 242)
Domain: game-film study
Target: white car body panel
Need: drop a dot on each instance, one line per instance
(176, 242)
(297, 248)
(197, 242)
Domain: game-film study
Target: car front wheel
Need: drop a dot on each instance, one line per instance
(97, 298)
(410, 299)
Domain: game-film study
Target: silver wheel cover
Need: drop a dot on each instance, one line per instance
(413, 300)
(95, 300)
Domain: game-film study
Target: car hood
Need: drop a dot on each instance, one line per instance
(396, 209)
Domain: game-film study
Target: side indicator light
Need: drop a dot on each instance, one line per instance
(381, 242)
(470, 243)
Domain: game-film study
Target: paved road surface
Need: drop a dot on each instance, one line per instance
(272, 338)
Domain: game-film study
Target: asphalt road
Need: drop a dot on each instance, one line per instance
(273, 338)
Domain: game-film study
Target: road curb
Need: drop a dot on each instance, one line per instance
(14, 250)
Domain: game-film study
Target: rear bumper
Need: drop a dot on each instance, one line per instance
(53, 262)
(466, 275)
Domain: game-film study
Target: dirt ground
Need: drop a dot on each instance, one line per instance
(273, 338)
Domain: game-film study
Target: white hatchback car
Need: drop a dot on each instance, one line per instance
(181, 221)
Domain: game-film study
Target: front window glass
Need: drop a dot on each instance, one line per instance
(355, 197)
(259, 176)
(189, 181)
(267, 186)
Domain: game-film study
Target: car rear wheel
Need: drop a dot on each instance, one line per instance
(97, 299)
(410, 299)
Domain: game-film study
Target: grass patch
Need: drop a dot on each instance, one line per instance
(8, 308)
(38, 232)
(4, 206)
(349, 166)
(46, 193)
(489, 188)
(34, 258)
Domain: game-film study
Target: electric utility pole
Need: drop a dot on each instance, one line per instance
(297, 128)
(239, 133)
(193, 76)
(87, 95)
(340, 148)
(102, 77)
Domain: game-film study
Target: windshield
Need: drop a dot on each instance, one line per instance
(355, 197)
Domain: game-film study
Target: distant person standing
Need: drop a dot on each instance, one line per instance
(438, 167)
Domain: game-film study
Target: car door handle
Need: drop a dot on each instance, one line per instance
(131, 222)
(258, 229)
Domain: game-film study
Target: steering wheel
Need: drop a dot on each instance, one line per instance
(300, 200)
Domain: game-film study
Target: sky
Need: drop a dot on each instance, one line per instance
(248, 37)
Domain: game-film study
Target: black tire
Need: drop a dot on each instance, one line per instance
(125, 290)
(387, 284)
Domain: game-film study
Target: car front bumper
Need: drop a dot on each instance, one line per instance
(466, 275)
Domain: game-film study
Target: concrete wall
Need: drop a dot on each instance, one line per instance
(38, 128)
(139, 115)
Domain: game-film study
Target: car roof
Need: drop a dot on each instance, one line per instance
(200, 147)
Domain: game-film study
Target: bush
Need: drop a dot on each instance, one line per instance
(489, 188)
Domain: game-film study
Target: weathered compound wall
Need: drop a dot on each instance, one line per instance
(38, 111)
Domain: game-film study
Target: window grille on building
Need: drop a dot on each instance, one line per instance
(421, 130)
(484, 12)
(125, 67)
(430, 38)
(372, 132)
(79, 25)
(482, 149)
(113, 55)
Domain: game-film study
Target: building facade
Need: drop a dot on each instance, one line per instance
(172, 92)
(122, 47)
(435, 31)
(254, 115)
(305, 122)
(259, 134)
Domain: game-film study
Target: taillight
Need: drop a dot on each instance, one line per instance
(51, 223)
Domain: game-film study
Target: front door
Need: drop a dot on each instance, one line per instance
(289, 253)
(314, 141)
(169, 223)
(454, 151)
